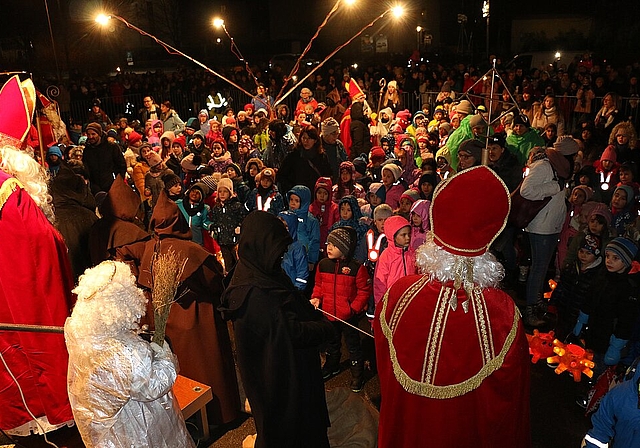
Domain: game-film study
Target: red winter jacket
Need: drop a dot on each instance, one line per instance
(342, 286)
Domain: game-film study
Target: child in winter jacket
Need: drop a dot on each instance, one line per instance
(195, 211)
(616, 422)
(575, 283)
(376, 243)
(227, 215)
(398, 260)
(299, 199)
(611, 310)
(342, 288)
(220, 156)
(265, 196)
(294, 262)
(346, 184)
(393, 185)
(419, 222)
(351, 216)
(373, 200)
(607, 172)
(324, 209)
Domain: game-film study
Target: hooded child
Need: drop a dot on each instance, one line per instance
(299, 199)
(351, 216)
(295, 262)
(398, 259)
(324, 209)
(195, 211)
(419, 222)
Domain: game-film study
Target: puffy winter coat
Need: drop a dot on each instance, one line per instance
(226, 218)
(395, 262)
(308, 225)
(618, 417)
(343, 287)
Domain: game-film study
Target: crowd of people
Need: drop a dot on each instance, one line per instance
(350, 192)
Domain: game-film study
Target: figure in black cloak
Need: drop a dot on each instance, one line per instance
(277, 333)
(75, 212)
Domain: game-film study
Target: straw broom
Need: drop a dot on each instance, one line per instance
(166, 270)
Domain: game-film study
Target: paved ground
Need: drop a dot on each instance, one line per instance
(556, 421)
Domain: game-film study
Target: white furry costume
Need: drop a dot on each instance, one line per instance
(119, 385)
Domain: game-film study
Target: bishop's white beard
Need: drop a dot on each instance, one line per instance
(439, 265)
(22, 166)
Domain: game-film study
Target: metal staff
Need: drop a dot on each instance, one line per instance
(32, 328)
(382, 83)
(344, 322)
(369, 25)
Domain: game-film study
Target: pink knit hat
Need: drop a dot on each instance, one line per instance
(609, 154)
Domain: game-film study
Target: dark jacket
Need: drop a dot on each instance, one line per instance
(508, 169)
(226, 218)
(360, 136)
(297, 169)
(104, 162)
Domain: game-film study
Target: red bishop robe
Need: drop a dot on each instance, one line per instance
(35, 288)
(451, 378)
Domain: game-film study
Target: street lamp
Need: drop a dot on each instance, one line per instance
(419, 31)
(103, 19)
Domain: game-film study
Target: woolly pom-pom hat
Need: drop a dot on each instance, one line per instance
(465, 219)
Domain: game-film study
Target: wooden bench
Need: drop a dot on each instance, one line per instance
(193, 397)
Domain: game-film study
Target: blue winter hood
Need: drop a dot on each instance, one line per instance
(305, 199)
(291, 219)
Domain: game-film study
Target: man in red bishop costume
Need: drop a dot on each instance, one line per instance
(35, 279)
(452, 353)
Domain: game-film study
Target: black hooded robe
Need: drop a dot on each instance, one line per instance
(277, 333)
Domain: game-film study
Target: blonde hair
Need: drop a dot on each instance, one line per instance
(34, 178)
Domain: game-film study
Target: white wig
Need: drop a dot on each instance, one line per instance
(31, 174)
(443, 266)
(109, 302)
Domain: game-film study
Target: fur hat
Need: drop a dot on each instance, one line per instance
(623, 248)
(343, 238)
(329, 126)
(227, 183)
(254, 161)
(268, 173)
(566, 145)
(609, 154)
(459, 205)
(95, 127)
(395, 170)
